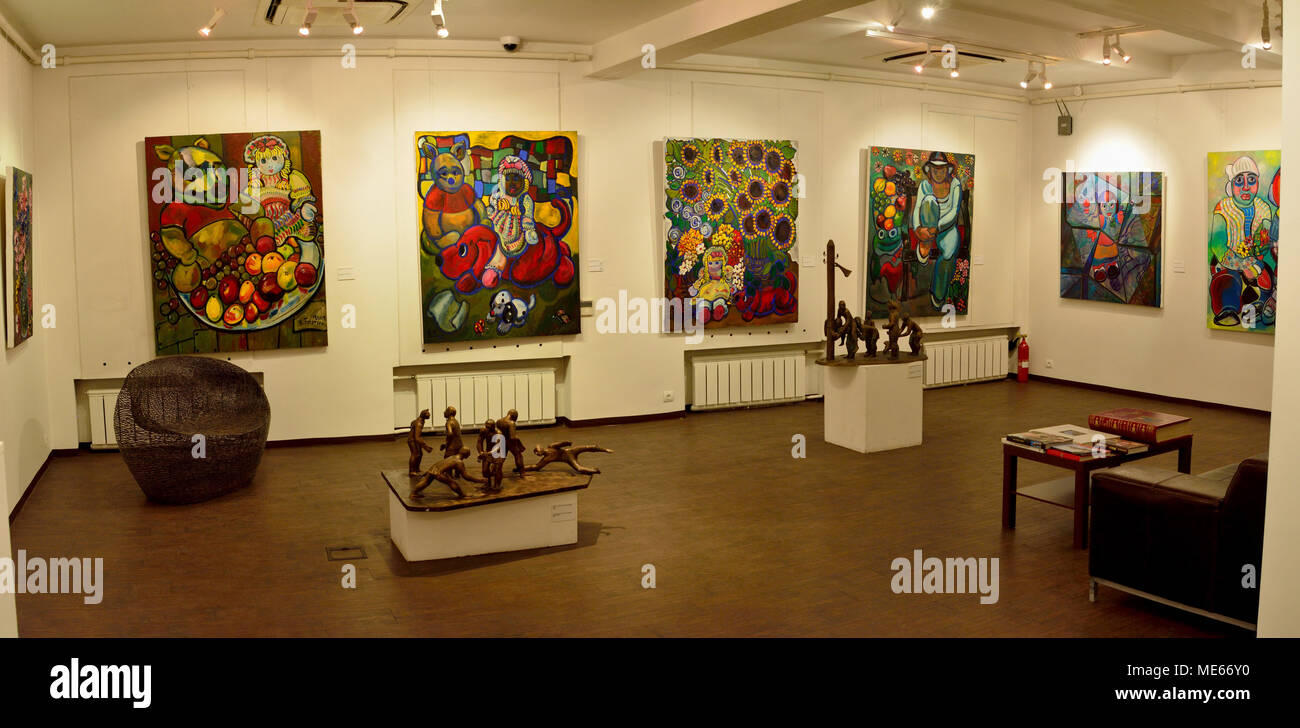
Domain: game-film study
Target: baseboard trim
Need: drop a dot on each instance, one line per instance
(334, 440)
(22, 500)
(1145, 395)
(598, 421)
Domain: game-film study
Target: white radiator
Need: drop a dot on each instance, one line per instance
(102, 404)
(966, 360)
(480, 396)
(740, 381)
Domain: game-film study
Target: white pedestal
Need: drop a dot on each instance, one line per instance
(528, 523)
(873, 407)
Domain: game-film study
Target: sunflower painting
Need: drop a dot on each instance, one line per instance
(731, 208)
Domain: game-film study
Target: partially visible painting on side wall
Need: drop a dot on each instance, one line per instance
(236, 241)
(731, 208)
(1245, 191)
(919, 223)
(498, 221)
(1111, 237)
(18, 258)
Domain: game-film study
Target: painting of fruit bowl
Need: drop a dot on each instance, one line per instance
(236, 241)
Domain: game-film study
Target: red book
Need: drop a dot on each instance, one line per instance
(1141, 425)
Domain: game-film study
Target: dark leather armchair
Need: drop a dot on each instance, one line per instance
(1181, 539)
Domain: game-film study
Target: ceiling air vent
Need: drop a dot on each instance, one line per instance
(371, 13)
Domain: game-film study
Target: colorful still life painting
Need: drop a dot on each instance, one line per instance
(1111, 237)
(920, 231)
(237, 241)
(1245, 192)
(498, 221)
(18, 259)
(732, 208)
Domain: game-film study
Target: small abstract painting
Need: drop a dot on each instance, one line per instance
(1245, 190)
(1111, 237)
(919, 221)
(18, 258)
(732, 208)
(236, 241)
(498, 221)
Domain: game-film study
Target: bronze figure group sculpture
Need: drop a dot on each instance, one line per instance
(844, 328)
(492, 453)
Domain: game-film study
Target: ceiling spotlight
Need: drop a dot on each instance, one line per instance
(925, 61)
(1105, 50)
(206, 30)
(350, 15)
(1123, 56)
(1036, 69)
(927, 12)
(305, 29)
(439, 20)
(1266, 41)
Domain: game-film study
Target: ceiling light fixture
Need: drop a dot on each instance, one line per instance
(954, 73)
(1105, 50)
(217, 15)
(1036, 69)
(440, 20)
(920, 66)
(1123, 56)
(1030, 74)
(1266, 40)
(350, 15)
(927, 12)
(305, 29)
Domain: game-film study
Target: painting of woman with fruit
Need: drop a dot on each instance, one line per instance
(920, 231)
(237, 247)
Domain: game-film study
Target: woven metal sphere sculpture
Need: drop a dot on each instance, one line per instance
(166, 402)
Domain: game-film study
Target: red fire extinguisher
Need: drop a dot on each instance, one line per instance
(1022, 360)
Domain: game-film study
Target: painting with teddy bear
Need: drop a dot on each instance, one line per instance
(498, 221)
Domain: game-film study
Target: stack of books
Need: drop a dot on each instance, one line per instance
(1141, 425)
(1072, 442)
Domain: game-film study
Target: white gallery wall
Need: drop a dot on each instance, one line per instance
(1170, 350)
(92, 213)
(24, 410)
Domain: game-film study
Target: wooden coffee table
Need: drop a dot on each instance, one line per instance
(1073, 493)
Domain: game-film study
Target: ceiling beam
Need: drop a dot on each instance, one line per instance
(700, 27)
(989, 27)
(1225, 25)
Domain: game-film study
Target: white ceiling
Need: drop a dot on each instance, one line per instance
(1173, 34)
(113, 22)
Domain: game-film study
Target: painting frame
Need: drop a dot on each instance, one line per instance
(18, 257)
(498, 226)
(731, 209)
(1112, 237)
(1244, 195)
(920, 231)
(236, 234)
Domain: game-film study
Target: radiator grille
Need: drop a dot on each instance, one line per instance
(967, 360)
(741, 381)
(489, 395)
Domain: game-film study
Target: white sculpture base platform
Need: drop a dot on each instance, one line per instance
(537, 512)
(874, 407)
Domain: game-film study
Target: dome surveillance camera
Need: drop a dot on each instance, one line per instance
(510, 42)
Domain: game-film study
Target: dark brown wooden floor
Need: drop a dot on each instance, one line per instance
(746, 540)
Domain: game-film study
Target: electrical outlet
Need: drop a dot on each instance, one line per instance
(1050, 363)
(668, 395)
